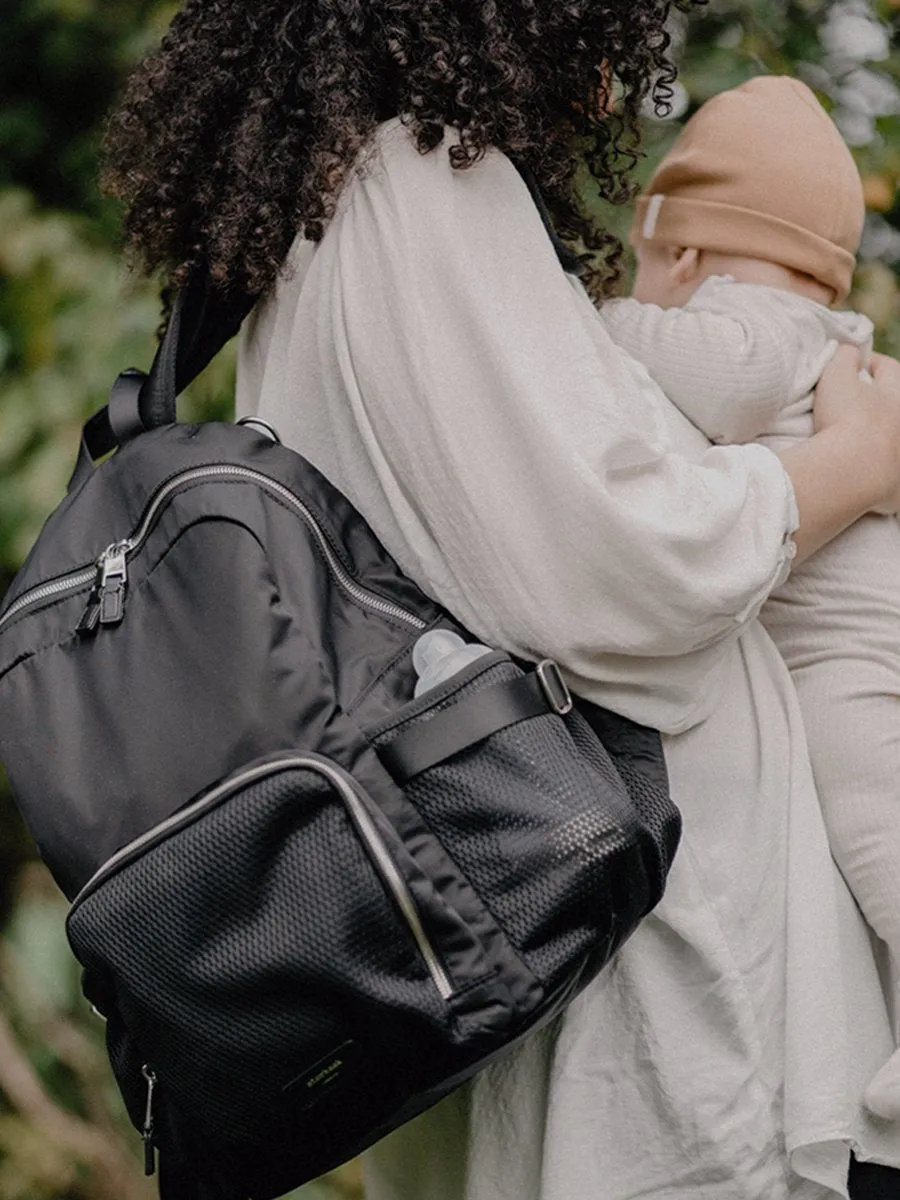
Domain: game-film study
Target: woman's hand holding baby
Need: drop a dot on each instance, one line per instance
(866, 413)
(851, 466)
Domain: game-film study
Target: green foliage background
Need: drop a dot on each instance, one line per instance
(70, 319)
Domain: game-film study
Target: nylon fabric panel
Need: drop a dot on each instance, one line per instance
(146, 749)
(345, 632)
(110, 504)
(266, 657)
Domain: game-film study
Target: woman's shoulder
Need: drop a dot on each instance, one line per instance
(392, 171)
(394, 146)
(407, 207)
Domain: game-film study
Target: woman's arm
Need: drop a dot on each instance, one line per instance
(852, 464)
(526, 472)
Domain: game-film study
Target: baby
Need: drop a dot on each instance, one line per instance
(746, 240)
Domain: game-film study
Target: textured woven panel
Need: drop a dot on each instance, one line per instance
(539, 820)
(250, 945)
(659, 815)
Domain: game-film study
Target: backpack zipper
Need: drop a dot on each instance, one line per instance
(72, 582)
(106, 602)
(363, 823)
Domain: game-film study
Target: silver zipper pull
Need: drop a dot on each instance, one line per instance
(112, 583)
(149, 1148)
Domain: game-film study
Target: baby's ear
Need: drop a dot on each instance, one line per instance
(685, 267)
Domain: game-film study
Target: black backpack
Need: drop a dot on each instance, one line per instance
(307, 904)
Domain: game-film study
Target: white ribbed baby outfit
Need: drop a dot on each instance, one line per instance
(741, 361)
(432, 358)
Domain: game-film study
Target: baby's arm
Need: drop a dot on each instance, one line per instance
(729, 370)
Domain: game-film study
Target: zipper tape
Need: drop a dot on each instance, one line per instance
(222, 472)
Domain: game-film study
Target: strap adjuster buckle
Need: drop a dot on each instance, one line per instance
(554, 687)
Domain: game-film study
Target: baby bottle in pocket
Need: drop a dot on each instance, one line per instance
(439, 654)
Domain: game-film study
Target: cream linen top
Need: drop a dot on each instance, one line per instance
(431, 357)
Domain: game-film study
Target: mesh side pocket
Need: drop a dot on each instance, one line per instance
(638, 757)
(541, 823)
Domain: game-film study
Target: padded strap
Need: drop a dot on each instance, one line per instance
(202, 321)
(472, 719)
(568, 259)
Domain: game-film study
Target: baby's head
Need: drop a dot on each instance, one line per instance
(760, 185)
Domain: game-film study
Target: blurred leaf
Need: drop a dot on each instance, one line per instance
(37, 934)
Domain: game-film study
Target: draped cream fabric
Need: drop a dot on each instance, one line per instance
(431, 358)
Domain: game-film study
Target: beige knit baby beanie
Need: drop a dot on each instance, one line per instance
(761, 171)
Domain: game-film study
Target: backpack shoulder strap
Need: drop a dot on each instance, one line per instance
(203, 320)
(568, 259)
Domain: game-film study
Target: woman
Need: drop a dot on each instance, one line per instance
(418, 340)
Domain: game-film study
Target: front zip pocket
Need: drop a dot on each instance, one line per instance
(274, 940)
(109, 574)
(369, 824)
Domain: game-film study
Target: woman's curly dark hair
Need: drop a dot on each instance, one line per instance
(241, 129)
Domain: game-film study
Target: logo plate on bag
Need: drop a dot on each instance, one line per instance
(326, 1075)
